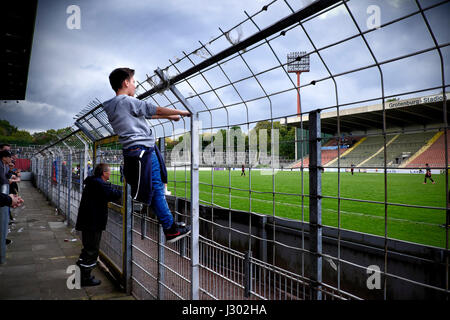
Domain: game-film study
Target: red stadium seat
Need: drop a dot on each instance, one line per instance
(434, 155)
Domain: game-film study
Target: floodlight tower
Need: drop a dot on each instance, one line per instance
(298, 62)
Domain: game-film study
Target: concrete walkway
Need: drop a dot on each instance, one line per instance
(37, 260)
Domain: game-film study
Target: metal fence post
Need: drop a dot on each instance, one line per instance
(35, 171)
(39, 172)
(44, 173)
(161, 240)
(247, 274)
(85, 161)
(263, 243)
(195, 201)
(315, 205)
(69, 184)
(127, 241)
(58, 181)
(161, 273)
(195, 198)
(51, 186)
(82, 172)
(48, 174)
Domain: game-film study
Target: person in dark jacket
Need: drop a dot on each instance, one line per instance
(92, 219)
(11, 200)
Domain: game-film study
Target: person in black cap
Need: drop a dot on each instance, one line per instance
(92, 219)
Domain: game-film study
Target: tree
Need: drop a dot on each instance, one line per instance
(10, 134)
(6, 129)
(286, 137)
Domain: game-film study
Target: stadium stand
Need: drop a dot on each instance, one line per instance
(399, 147)
(404, 150)
(362, 151)
(403, 147)
(434, 155)
(327, 156)
(369, 152)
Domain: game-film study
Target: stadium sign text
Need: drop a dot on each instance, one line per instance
(416, 101)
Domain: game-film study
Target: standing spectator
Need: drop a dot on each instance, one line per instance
(14, 177)
(5, 160)
(11, 201)
(92, 219)
(7, 147)
(428, 174)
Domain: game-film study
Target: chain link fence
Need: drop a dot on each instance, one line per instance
(269, 229)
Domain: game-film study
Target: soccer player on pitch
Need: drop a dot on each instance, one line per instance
(428, 174)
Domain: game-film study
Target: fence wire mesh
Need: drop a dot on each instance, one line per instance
(257, 225)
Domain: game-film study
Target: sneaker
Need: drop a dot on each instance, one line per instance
(8, 241)
(176, 232)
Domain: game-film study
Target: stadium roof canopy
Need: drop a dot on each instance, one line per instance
(420, 111)
(17, 21)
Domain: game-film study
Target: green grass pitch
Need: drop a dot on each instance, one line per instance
(425, 226)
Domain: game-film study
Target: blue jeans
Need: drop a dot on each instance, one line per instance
(159, 203)
(142, 171)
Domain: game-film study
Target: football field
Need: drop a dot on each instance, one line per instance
(281, 195)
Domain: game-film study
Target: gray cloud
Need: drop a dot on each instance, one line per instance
(69, 68)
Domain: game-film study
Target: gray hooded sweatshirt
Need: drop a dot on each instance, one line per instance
(127, 117)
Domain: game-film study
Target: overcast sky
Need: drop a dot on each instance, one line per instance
(70, 67)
